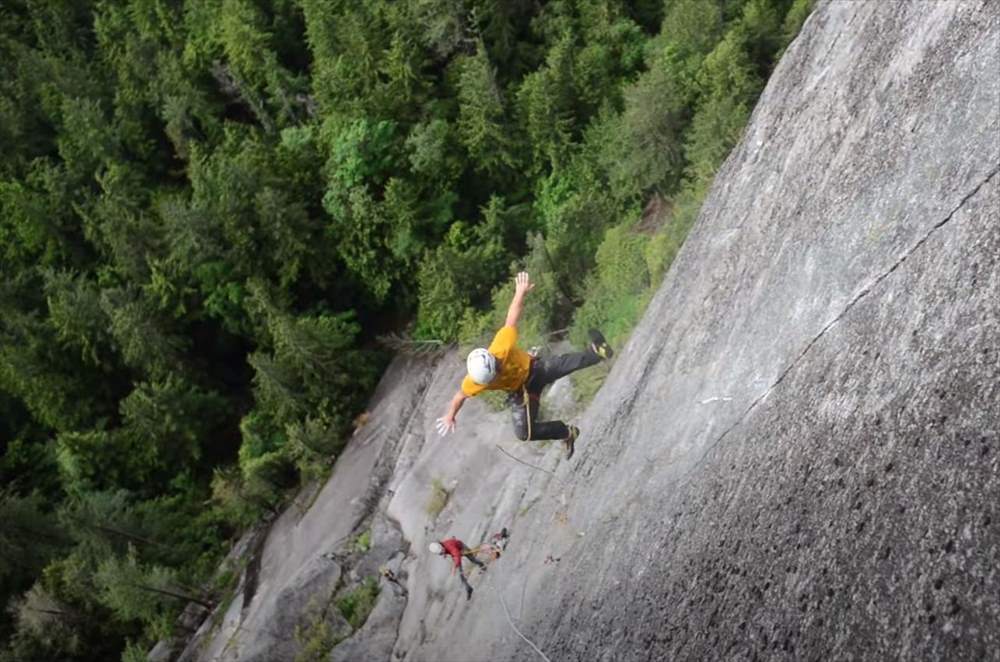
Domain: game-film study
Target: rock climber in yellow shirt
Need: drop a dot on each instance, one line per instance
(504, 366)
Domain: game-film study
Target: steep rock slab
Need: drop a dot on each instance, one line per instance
(841, 288)
(296, 578)
(795, 454)
(853, 513)
(487, 490)
(384, 476)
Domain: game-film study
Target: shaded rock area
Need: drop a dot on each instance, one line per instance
(309, 556)
(797, 454)
(375, 639)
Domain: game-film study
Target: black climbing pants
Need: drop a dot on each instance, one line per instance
(461, 574)
(544, 372)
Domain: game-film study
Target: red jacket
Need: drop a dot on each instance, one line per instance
(455, 547)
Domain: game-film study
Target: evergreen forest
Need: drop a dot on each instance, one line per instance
(219, 219)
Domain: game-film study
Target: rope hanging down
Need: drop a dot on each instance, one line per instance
(511, 621)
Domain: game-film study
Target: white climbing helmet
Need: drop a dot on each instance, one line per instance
(435, 548)
(482, 366)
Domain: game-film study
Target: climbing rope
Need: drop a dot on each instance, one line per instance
(510, 621)
(526, 400)
(527, 464)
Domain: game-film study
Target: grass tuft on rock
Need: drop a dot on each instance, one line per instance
(356, 605)
(438, 498)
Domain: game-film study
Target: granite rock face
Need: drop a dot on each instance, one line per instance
(797, 454)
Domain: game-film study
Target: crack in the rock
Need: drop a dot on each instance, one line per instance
(862, 294)
(396, 451)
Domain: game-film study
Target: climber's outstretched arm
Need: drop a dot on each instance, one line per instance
(522, 285)
(446, 423)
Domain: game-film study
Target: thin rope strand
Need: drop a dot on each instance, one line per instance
(511, 622)
(527, 464)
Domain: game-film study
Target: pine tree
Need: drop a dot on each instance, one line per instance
(103, 522)
(46, 628)
(483, 126)
(138, 592)
(75, 311)
(546, 99)
(144, 339)
(727, 85)
(28, 538)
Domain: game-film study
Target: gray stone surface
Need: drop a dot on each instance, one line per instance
(843, 272)
(297, 578)
(796, 454)
(376, 638)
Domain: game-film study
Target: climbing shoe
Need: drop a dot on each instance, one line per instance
(600, 346)
(570, 442)
(468, 592)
